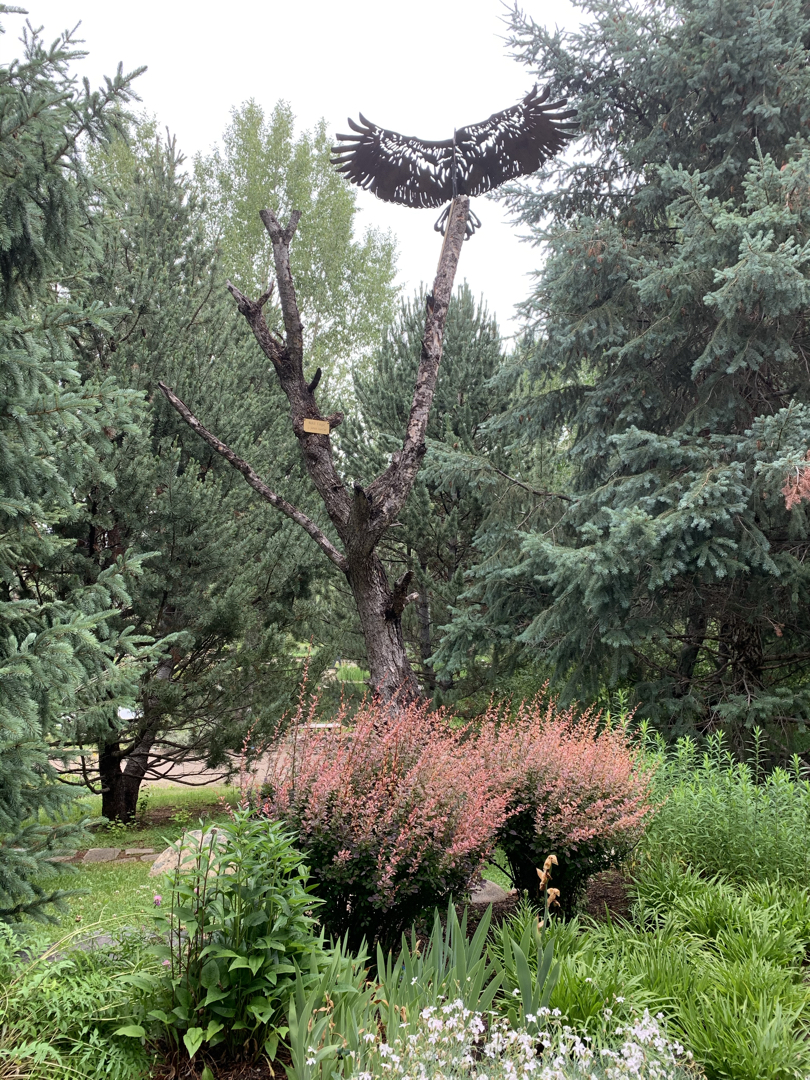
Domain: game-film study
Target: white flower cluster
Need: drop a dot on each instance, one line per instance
(453, 1043)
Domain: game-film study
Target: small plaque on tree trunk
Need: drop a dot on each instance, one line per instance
(316, 427)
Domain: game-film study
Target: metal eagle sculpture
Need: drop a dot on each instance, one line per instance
(402, 169)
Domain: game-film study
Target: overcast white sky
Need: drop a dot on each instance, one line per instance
(421, 67)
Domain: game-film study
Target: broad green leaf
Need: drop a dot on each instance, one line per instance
(193, 1040)
(209, 976)
(131, 1031)
(212, 1029)
(271, 1045)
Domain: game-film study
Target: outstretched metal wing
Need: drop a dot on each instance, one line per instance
(398, 168)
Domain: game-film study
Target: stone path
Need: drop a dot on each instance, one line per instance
(186, 855)
(110, 854)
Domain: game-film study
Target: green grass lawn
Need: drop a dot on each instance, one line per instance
(112, 895)
(492, 872)
(347, 672)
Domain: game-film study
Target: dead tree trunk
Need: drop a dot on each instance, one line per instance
(362, 516)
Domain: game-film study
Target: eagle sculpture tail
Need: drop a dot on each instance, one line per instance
(473, 222)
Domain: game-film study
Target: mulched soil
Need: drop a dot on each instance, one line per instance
(171, 1067)
(500, 911)
(606, 896)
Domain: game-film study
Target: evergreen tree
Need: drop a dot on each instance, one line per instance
(64, 662)
(671, 325)
(224, 574)
(447, 504)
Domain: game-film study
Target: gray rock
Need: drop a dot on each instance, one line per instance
(488, 893)
(169, 860)
(101, 854)
(149, 858)
(139, 851)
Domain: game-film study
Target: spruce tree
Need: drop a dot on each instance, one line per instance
(670, 316)
(64, 662)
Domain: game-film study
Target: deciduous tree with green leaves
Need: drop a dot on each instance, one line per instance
(344, 285)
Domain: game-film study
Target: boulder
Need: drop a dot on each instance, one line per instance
(488, 893)
(186, 854)
(101, 854)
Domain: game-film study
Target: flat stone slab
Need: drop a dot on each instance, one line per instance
(489, 893)
(169, 860)
(149, 858)
(101, 854)
(139, 851)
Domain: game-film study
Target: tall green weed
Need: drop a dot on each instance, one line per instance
(236, 924)
(723, 816)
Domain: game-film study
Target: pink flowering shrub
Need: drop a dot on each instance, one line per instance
(575, 788)
(392, 815)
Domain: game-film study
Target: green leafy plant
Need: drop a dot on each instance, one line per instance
(181, 817)
(335, 1024)
(449, 966)
(238, 922)
(331, 1016)
(67, 1011)
(116, 830)
(528, 973)
(724, 816)
(142, 807)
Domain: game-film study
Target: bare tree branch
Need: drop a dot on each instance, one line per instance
(281, 239)
(529, 488)
(389, 491)
(360, 517)
(254, 480)
(287, 359)
(400, 597)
